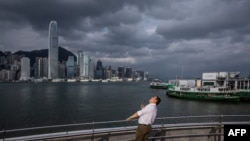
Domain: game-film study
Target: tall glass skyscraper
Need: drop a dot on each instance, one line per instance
(83, 61)
(53, 51)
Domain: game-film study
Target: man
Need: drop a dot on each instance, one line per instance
(146, 116)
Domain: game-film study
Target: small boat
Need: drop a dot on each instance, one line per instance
(158, 84)
(204, 93)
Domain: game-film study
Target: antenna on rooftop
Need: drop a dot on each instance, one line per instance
(181, 72)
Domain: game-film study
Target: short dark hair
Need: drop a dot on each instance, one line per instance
(158, 100)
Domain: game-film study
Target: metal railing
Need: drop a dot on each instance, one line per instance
(161, 127)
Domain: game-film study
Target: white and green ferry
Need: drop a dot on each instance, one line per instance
(215, 86)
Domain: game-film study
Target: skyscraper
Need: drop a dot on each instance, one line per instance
(70, 64)
(53, 51)
(25, 68)
(83, 61)
(41, 68)
(128, 73)
(121, 72)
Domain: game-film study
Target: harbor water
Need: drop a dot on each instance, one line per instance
(24, 105)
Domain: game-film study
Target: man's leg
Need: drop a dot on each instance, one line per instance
(142, 133)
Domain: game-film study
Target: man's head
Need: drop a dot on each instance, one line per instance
(155, 99)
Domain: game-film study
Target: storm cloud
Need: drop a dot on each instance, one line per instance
(162, 37)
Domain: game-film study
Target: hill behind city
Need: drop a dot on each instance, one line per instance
(62, 54)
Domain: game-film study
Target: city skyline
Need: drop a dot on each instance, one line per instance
(19, 67)
(167, 38)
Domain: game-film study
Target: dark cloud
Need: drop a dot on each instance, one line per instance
(162, 37)
(206, 20)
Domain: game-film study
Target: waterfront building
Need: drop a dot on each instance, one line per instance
(53, 51)
(15, 66)
(139, 75)
(128, 73)
(83, 61)
(2, 74)
(62, 70)
(70, 65)
(11, 59)
(41, 68)
(99, 72)
(80, 64)
(25, 68)
(45, 67)
(85, 66)
(37, 68)
(108, 73)
(121, 72)
(145, 76)
(7, 75)
(99, 65)
(221, 79)
(3, 60)
(91, 68)
(79, 56)
(77, 68)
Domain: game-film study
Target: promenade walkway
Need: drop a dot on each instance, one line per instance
(184, 128)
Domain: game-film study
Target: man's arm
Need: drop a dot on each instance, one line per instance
(135, 115)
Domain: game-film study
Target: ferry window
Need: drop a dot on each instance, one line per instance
(185, 89)
(208, 84)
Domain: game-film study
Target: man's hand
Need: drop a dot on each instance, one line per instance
(129, 119)
(135, 115)
(142, 105)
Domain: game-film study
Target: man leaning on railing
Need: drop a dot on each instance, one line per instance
(146, 116)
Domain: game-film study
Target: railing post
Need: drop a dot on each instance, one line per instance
(220, 126)
(162, 125)
(67, 130)
(93, 133)
(3, 135)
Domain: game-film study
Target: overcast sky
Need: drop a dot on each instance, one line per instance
(162, 37)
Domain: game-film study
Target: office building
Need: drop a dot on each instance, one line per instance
(84, 65)
(99, 72)
(128, 73)
(41, 68)
(121, 72)
(53, 51)
(25, 68)
(70, 64)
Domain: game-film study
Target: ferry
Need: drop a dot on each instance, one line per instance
(158, 84)
(216, 86)
(204, 93)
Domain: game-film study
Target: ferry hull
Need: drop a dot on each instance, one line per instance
(244, 96)
(203, 96)
(158, 87)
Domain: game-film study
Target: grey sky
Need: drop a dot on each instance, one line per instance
(158, 36)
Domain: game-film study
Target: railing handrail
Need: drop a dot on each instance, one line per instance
(117, 121)
(203, 116)
(63, 125)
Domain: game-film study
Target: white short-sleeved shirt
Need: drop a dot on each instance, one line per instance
(147, 114)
